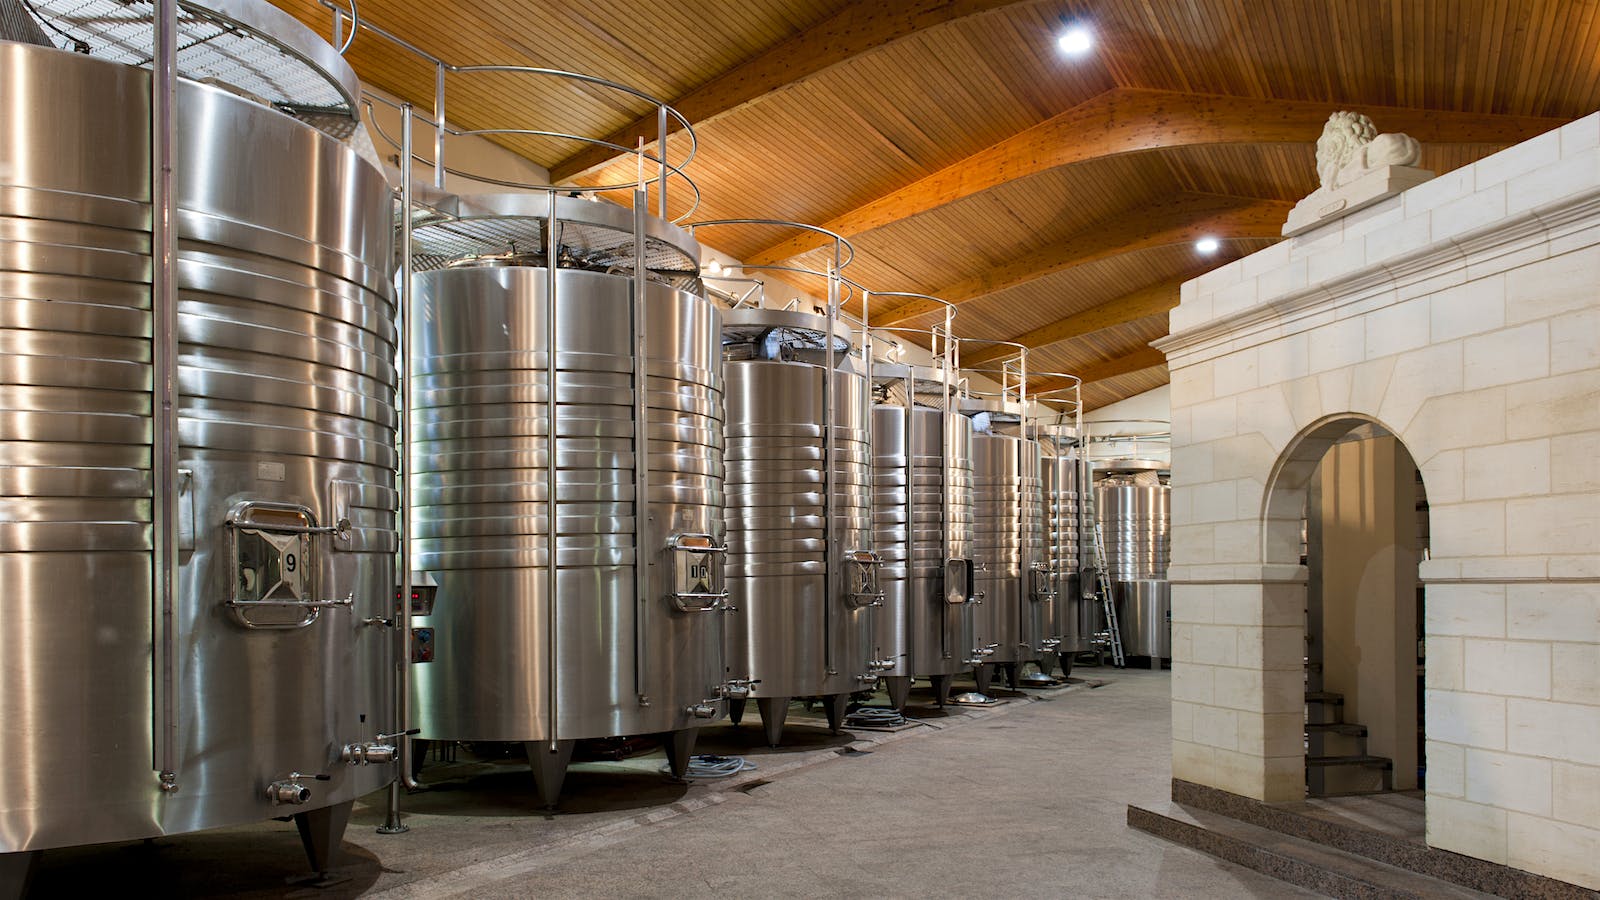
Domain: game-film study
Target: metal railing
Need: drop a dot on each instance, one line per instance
(665, 168)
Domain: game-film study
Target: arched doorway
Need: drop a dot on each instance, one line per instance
(1346, 502)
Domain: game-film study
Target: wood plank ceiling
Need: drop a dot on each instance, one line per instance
(1055, 199)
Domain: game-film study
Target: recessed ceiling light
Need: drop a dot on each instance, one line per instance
(1076, 40)
(715, 268)
(1207, 245)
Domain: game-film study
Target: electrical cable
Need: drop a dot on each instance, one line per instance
(709, 766)
(78, 44)
(875, 717)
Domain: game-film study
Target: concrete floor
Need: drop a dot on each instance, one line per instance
(1028, 798)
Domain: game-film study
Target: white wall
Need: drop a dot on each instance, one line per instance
(467, 154)
(1464, 316)
(1153, 405)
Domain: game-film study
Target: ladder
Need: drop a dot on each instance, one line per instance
(1102, 587)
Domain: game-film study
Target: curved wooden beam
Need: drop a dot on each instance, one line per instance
(1137, 361)
(1132, 120)
(857, 29)
(1183, 219)
(1147, 301)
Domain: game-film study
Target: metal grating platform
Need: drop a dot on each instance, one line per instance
(245, 46)
(592, 237)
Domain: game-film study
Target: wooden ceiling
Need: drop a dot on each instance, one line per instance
(1055, 199)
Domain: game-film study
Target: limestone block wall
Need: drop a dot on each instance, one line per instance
(1463, 316)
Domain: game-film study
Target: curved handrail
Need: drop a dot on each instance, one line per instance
(844, 251)
(367, 99)
(664, 112)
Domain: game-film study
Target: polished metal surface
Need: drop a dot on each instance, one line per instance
(925, 627)
(1134, 524)
(1144, 613)
(507, 659)
(1135, 520)
(286, 415)
(1017, 617)
(796, 629)
(1063, 477)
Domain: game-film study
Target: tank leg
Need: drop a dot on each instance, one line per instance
(983, 674)
(419, 755)
(773, 711)
(1066, 665)
(680, 748)
(899, 688)
(941, 688)
(736, 711)
(322, 833)
(16, 870)
(836, 705)
(1012, 670)
(549, 769)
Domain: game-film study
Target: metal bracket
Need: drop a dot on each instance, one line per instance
(697, 580)
(1043, 588)
(274, 562)
(866, 590)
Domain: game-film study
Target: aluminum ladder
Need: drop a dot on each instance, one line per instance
(1102, 589)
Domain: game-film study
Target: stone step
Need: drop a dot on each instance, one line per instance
(1370, 762)
(1316, 867)
(1349, 729)
(1294, 820)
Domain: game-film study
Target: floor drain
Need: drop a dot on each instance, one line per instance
(851, 751)
(749, 786)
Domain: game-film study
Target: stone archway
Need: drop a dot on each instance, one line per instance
(1363, 615)
(1462, 315)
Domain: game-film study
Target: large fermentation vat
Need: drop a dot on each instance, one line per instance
(923, 529)
(1016, 621)
(802, 579)
(619, 631)
(1063, 478)
(260, 686)
(1133, 506)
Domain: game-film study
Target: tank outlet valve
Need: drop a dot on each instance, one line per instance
(702, 711)
(291, 792)
(738, 688)
(884, 665)
(370, 753)
(869, 678)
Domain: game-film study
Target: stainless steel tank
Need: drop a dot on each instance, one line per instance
(1063, 475)
(801, 577)
(278, 682)
(629, 641)
(1015, 620)
(1135, 520)
(923, 529)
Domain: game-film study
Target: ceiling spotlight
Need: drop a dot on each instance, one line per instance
(1076, 40)
(1207, 245)
(715, 268)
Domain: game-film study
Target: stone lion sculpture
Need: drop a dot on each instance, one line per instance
(1350, 146)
